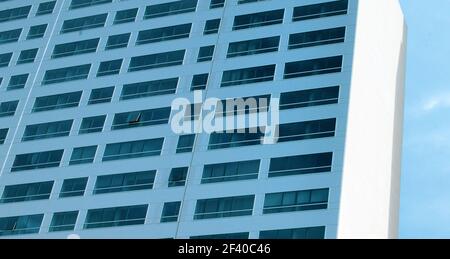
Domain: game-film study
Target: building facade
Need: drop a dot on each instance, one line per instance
(87, 148)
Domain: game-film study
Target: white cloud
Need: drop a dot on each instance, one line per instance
(437, 102)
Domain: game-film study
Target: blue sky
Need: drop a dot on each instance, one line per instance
(425, 208)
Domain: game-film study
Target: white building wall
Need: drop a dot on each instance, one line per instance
(370, 183)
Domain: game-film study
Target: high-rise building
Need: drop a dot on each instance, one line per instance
(87, 146)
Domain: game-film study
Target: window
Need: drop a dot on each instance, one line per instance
(185, 143)
(211, 27)
(37, 31)
(231, 236)
(141, 118)
(3, 135)
(101, 95)
(307, 130)
(84, 23)
(224, 207)
(27, 192)
(111, 67)
(133, 149)
(125, 16)
(302, 164)
(149, 88)
(243, 105)
(75, 4)
(313, 67)
(193, 112)
(307, 98)
(217, 4)
(295, 233)
(205, 53)
(20, 225)
(8, 108)
(10, 36)
(233, 171)
(27, 56)
(118, 41)
(92, 124)
(199, 82)
(252, 47)
(167, 59)
(57, 101)
(178, 176)
(248, 75)
(248, 1)
(75, 48)
(316, 38)
(17, 82)
(172, 8)
(116, 216)
(125, 182)
(15, 13)
(170, 211)
(63, 221)
(258, 19)
(46, 8)
(164, 34)
(73, 187)
(66, 74)
(228, 140)
(83, 155)
(296, 201)
(320, 10)
(47, 130)
(5, 59)
(45, 159)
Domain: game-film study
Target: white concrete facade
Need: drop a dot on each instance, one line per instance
(372, 161)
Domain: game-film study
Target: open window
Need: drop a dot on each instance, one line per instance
(134, 118)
